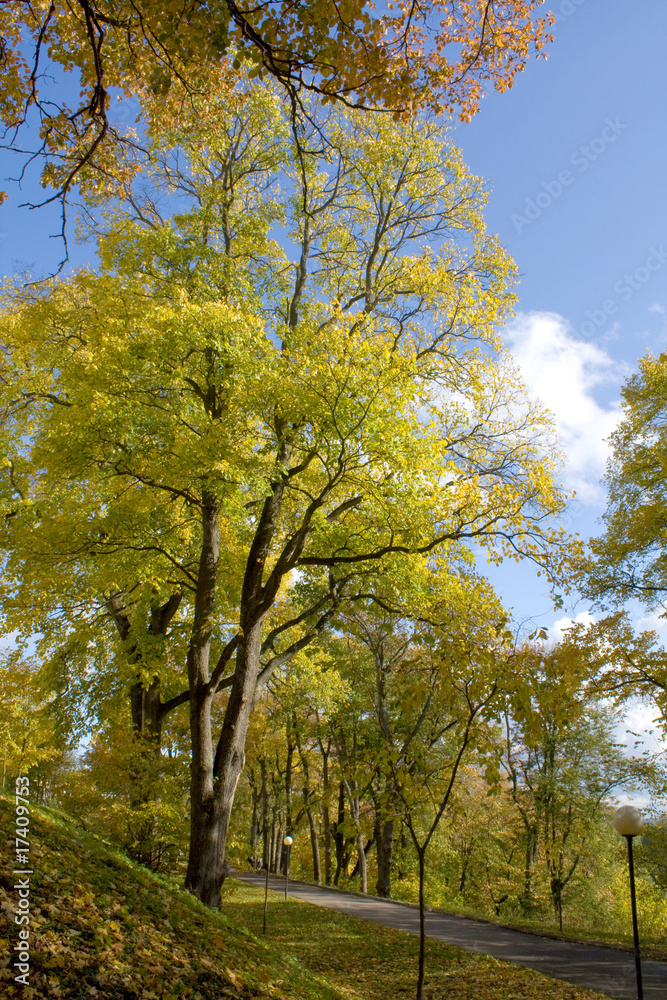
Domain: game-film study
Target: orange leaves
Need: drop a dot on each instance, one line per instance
(439, 54)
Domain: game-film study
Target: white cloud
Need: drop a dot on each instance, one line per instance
(652, 622)
(561, 626)
(639, 733)
(563, 372)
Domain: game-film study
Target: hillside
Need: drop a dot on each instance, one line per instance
(103, 927)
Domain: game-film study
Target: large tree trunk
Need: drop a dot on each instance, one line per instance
(214, 781)
(326, 820)
(385, 846)
(210, 823)
(339, 836)
(146, 711)
(207, 830)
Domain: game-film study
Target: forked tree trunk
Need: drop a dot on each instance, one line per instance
(385, 846)
(214, 777)
(326, 820)
(214, 781)
(207, 819)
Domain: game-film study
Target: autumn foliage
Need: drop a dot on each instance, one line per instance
(438, 54)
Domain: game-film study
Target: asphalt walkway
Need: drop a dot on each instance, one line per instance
(604, 969)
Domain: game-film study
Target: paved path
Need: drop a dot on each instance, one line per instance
(604, 969)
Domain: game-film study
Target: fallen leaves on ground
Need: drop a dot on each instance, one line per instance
(104, 928)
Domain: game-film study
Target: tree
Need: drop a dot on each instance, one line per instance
(630, 559)
(260, 426)
(561, 761)
(388, 637)
(28, 735)
(123, 790)
(465, 677)
(624, 664)
(438, 55)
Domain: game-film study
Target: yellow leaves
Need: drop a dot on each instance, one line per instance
(234, 978)
(628, 560)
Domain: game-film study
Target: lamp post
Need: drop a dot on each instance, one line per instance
(266, 890)
(629, 823)
(288, 843)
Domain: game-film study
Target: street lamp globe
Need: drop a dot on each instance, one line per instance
(287, 841)
(628, 821)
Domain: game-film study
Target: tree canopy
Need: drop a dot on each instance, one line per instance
(630, 559)
(437, 54)
(283, 384)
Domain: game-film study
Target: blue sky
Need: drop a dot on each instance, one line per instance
(575, 157)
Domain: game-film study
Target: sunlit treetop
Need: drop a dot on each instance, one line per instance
(629, 561)
(436, 54)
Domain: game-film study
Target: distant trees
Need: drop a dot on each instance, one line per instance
(561, 762)
(29, 736)
(508, 798)
(629, 560)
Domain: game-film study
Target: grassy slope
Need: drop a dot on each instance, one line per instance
(103, 927)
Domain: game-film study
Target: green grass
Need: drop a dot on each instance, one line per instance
(105, 928)
(371, 962)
